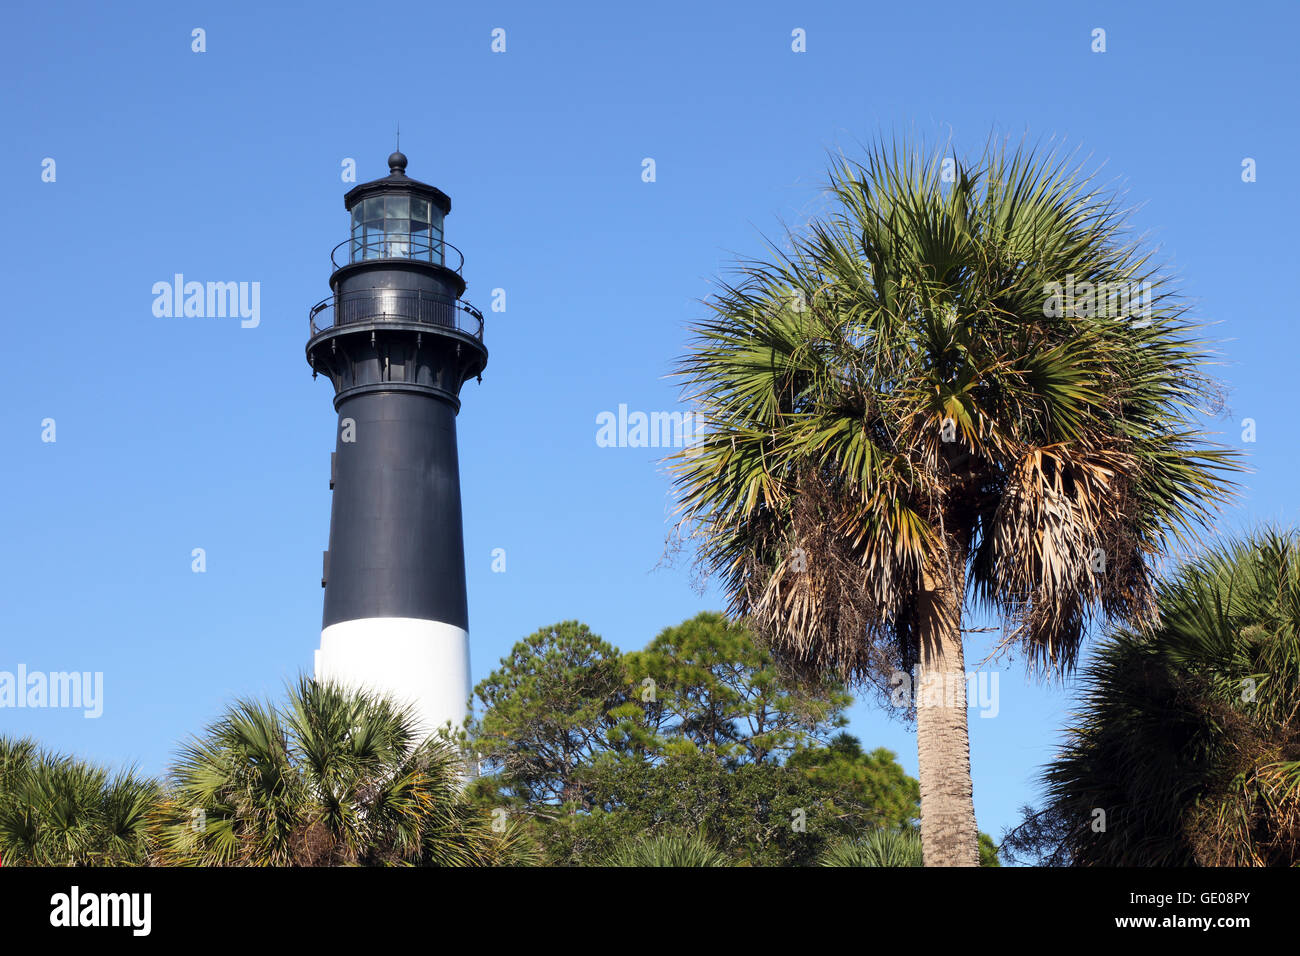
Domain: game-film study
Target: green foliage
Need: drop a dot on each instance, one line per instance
(706, 683)
(878, 848)
(695, 734)
(868, 791)
(547, 712)
(988, 851)
(332, 777)
(1188, 737)
(669, 850)
(60, 811)
(764, 814)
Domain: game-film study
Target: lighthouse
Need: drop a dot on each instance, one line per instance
(397, 342)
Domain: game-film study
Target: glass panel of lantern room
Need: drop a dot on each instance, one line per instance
(357, 241)
(435, 229)
(397, 226)
(397, 238)
(420, 245)
(373, 227)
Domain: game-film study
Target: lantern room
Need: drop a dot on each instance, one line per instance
(397, 218)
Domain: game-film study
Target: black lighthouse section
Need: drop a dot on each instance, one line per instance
(396, 543)
(397, 342)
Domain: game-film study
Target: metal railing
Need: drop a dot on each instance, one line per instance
(381, 246)
(396, 305)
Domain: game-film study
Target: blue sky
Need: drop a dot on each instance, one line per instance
(175, 434)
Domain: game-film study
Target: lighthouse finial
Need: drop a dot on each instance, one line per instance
(397, 161)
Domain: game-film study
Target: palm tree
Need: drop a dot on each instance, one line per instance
(669, 849)
(61, 811)
(903, 412)
(1188, 739)
(333, 777)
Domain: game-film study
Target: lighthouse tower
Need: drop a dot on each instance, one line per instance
(397, 342)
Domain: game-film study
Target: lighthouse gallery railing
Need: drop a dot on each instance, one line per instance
(377, 246)
(396, 305)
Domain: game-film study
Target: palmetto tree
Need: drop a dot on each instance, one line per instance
(903, 411)
(878, 848)
(1189, 735)
(671, 850)
(61, 811)
(333, 777)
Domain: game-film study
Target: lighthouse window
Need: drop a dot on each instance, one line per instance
(358, 244)
(372, 228)
(397, 242)
(438, 250)
(421, 247)
(374, 209)
(397, 227)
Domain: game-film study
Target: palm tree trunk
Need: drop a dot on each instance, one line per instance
(948, 833)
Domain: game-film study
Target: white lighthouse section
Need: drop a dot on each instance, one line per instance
(423, 664)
